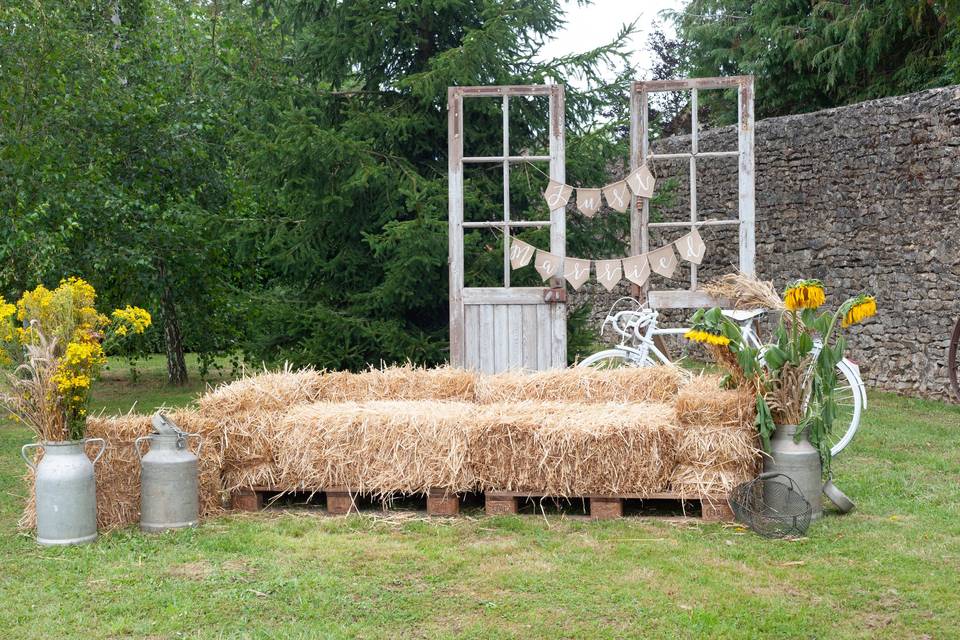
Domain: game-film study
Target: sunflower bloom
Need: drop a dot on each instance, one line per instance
(706, 337)
(804, 294)
(863, 307)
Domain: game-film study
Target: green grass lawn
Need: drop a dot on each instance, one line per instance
(889, 570)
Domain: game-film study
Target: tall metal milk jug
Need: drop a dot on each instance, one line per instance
(169, 478)
(798, 460)
(66, 491)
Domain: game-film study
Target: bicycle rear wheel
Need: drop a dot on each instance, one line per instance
(953, 366)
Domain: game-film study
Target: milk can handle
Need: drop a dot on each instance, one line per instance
(103, 447)
(23, 453)
(136, 445)
(199, 442)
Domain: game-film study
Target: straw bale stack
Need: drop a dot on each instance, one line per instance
(585, 385)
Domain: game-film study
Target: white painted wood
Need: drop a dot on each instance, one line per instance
(694, 150)
(683, 299)
(529, 337)
(471, 334)
(501, 341)
(499, 295)
(558, 338)
(485, 339)
(544, 333)
(746, 182)
(506, 190)
(455, 222)
(515, 336)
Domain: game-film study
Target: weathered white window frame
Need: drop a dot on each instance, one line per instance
(640, 224)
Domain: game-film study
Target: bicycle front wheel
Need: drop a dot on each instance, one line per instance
(613, 359)
(850, 401)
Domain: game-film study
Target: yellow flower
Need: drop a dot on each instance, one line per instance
(804, 294)
(706, 337)
(863, 307)
(131, 319)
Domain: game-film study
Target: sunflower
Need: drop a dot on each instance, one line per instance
(804, 294)
(706, 337)
(864, 306)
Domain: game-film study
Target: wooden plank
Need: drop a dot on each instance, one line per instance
(558, 172)
(442, 503)
(544, 332)
(506, 190)
(529, 337)
(471, 336)
(500, 338)
(493, 91)
(515, 336)
(683, 299)
(558, 337)
(746, 184)
(455, 224)
(694, 149)
(723, 82)
(499, 159)
(485, 338)
(499, 295)
(606, 507)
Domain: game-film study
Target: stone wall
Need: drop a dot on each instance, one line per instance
(865, 197)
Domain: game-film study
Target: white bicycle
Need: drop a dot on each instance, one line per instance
(638, 330)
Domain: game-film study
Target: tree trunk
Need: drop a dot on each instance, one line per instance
(172, 336)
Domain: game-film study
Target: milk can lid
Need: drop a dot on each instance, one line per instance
(164, 426)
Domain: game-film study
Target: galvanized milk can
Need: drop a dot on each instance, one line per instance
(66, 491)
(798, 460)
(169, 485)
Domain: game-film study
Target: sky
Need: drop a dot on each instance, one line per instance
(596, 24)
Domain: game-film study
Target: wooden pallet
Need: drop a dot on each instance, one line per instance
(341, 501)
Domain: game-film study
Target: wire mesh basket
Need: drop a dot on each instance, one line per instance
(771, 504)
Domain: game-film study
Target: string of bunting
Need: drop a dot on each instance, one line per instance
(617, 194)
(609, 273)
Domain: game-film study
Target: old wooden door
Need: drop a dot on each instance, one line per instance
(494, 329)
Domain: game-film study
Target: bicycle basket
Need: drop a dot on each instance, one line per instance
(771, 505)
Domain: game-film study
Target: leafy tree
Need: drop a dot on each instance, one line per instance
(822, 53)
(114, 166)
(352, 167)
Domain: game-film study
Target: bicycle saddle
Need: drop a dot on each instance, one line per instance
(742, 315)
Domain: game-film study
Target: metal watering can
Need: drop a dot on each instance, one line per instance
(169, 477)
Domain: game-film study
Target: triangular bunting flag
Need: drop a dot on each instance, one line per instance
(663, 261)
(617, 196)
(636, 269)
(547, 264)
(641, 182)
(557, 194)
(520, 253)
(588, 201)
(576, 271)
(608, 273)
(691, 247)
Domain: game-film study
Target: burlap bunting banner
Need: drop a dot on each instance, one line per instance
(617, 194)
(547, 264)
(520, 253)
(609, 273)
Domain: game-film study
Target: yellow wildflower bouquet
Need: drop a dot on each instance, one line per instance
(794, 377)
(54, 342)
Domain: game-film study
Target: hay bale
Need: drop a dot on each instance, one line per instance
(377, 448)
(118, 471)
(247, 412)
(399, 383)
(582, 385)
(571, 449)
(719, 445)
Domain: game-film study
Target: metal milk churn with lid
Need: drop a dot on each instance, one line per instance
(169, 478)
